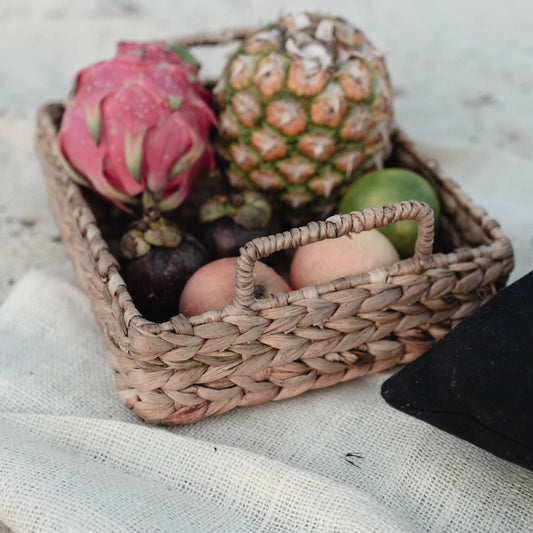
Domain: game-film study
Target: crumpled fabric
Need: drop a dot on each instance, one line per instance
(73, 458)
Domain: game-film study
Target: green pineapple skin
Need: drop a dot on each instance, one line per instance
(303, 201)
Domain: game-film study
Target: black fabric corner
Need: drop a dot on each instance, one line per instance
(477, 382)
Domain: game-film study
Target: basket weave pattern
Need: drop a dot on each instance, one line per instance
(255, 351)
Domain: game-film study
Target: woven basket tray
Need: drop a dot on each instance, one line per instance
(255, 351)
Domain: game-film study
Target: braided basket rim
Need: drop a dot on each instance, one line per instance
(189, 368)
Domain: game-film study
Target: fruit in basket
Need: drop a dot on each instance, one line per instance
(231, 220)
(304, 106)
(356, 253)
(212, 286)
(389, 186)
(157, 261)
(136, 127)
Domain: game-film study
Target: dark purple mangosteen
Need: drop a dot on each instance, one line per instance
(231, 220)
(157, 260)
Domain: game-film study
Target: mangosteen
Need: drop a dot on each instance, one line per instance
(231, 220)
(157, 261)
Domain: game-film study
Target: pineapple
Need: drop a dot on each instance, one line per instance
(304, 107)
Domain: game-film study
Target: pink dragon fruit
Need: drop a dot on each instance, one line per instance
(136, 128)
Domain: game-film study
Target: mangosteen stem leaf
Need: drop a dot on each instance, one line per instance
(252, 216)
(215, 208)
(167, 236)
(133, 244)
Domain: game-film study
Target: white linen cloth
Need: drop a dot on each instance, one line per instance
(72, 458)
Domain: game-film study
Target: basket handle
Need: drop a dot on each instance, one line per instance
(331, 228)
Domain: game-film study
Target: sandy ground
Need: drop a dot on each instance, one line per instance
(463, 74)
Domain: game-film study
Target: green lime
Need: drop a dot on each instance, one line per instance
(389, 186)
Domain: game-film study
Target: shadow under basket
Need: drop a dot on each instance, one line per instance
(258, 350)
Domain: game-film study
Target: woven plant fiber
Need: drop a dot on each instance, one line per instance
(259, 350)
